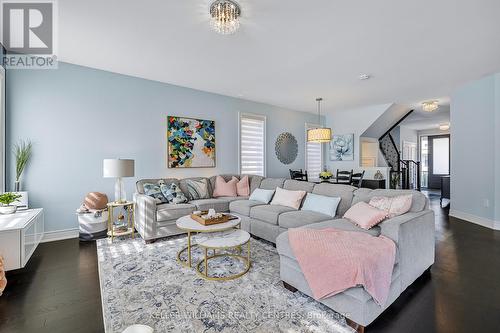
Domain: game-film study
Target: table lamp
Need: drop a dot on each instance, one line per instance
(118, 168)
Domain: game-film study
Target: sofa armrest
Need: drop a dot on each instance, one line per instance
(145, 215)
(414, 235)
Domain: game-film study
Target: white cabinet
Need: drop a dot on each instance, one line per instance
(20, 234)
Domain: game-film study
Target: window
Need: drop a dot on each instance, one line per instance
(252, 144)
(314, 157)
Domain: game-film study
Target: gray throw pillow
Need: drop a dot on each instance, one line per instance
(197, 188)
(173, 193)
(154, 190)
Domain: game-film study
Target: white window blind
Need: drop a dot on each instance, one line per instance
(314, 157)
(252, 144)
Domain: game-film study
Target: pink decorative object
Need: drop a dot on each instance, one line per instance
(335, 260)
(225, 189)
(394, 206)
(243, 187)
(365, 215)
(288, 198)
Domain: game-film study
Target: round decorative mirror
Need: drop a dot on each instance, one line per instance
(286, 148)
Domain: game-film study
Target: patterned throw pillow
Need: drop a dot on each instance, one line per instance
(154, 190)
(395, 206)
(197, 188)
(173, 193)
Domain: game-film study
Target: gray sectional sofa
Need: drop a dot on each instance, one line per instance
(412, 232)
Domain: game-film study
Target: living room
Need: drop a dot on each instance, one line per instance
(129, 128)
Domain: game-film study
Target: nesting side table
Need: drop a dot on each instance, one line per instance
(129, 223)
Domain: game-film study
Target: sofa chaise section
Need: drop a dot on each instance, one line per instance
(413, 234)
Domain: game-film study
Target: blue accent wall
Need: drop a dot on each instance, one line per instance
(77, 116)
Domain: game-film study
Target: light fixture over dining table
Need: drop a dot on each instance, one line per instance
(319, 134)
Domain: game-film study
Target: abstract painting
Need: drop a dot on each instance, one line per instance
(191, 143)
(342, 147)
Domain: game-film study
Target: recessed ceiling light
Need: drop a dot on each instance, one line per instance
(363, 77)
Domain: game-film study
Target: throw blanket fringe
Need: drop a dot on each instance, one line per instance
(334, 260)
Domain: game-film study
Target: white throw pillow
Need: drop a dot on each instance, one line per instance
(321, 204)
(262, 195)
(288, 198)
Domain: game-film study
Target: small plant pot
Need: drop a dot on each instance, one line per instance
(8, 209)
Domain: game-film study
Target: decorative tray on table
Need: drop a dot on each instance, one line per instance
(204, 219)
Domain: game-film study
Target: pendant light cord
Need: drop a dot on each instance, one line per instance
(319, 99)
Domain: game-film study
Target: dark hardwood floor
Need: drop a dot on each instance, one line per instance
(58, 291)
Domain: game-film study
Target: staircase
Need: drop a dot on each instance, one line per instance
(405, 174)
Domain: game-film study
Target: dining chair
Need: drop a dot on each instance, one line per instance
(344, 177)
(357, 179)
(298, 175)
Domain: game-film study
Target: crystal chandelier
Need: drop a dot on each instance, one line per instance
(225, 16)
(430, 106)
(320, 134)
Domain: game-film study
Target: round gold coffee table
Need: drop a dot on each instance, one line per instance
(189, 225)
(232, 239)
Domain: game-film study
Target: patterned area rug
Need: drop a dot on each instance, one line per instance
(144, 284)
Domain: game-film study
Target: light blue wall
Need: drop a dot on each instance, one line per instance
(473, 148)
(77, 116)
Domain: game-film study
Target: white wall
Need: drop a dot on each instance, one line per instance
(77, 116)
(475, 147)
(352, 121)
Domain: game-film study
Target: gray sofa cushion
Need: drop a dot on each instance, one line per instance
(419, 200)
(345, 192)
(269, 213)
(166, 212)
(219, 204)
(167, 181)
(195, 188)
(254, 181)
(296, 185)
(300, 218)
(242, 207)
(271, 183)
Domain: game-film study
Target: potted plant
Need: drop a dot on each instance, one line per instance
(22, 153)
(6, 199)
(395, 178)
(325, 175)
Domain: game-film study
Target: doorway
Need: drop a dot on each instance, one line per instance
(438, 159)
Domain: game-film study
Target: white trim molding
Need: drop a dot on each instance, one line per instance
(488, 223)
(51, 236)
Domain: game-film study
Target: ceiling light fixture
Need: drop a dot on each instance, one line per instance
(320, 134)
(444, 127)
(363, 77)
(225, 16)
(430, 106)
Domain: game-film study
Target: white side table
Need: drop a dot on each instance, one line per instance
(20, 234)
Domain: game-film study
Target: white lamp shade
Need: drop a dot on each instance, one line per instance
(116, 168)
(319, 135)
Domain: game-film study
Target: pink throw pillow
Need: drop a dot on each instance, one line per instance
(365, 216)
(394, 206)
(243, 187)
(223, 189)
(288, 198)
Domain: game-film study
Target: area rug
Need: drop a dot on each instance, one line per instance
(144, 284)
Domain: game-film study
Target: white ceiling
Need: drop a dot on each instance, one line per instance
(287, 53)
(421, 120)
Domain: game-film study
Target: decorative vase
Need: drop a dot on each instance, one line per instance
(8, 209)
(378, 175)
(17, 186)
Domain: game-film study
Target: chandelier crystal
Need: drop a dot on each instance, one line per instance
(320, 134)
(225, 16)
(430, 106)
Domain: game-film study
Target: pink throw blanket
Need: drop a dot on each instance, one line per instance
(334, 260)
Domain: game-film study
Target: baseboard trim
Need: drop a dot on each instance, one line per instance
(488, 223)
(51, 236)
